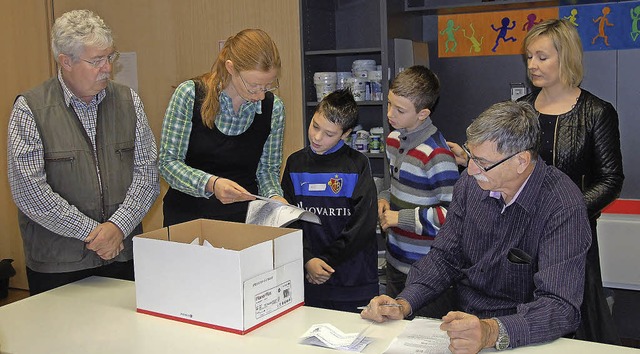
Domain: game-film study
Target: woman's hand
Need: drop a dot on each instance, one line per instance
(280, 199)
(228, 191)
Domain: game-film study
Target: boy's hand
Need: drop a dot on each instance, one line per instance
(383, 205)
(388, 219)
(461, 157)
(318, 271)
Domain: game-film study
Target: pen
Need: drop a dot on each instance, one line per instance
(383, 305)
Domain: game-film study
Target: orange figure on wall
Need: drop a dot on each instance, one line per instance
(602, 22)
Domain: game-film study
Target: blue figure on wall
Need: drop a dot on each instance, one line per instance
(635, 16)
(531, 21)
(502, 32)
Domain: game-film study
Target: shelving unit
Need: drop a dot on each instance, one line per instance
(334, 34)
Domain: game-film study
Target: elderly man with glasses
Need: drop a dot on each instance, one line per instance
(81, 162)
(514, 244)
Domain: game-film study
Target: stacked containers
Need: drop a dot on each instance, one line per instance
(364, 80)
(361, 88)
(343, 80)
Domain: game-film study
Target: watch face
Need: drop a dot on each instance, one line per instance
(502, 343)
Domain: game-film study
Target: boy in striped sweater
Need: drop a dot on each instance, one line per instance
(423, 171)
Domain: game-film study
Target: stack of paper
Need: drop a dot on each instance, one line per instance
(326, 335)
(422, 335)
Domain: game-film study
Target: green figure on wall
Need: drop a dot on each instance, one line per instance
(451, 38)
(573, 17)
(602, 22)
(475, 44)
(635, 15)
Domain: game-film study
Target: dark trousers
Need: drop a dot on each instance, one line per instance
(41, 282)
(437, 308)
(596, 323)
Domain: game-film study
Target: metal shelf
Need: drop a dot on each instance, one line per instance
(351, 51)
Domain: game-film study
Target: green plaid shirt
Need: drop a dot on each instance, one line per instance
(176, 130)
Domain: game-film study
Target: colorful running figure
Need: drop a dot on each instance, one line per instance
(503, 32)
(531, 21)
(450, 36)
(602, 22)
(573, 17)
(475, 44)
(635, 15)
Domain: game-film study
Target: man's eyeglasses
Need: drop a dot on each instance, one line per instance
(100, 62)
(256, 89)
(480, 166)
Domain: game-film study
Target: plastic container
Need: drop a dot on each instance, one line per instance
(358, 88)
(375, 80)
(362, 141)
(363, 65)
(325, 82)
(374, 144)
(377, 131)
(342, 78)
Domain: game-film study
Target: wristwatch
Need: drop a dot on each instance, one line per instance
(503, 337)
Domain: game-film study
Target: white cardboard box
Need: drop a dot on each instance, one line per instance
(252, 274)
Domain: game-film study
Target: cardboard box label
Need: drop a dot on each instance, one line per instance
(273, 299)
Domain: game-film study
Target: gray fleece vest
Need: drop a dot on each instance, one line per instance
(72, 171)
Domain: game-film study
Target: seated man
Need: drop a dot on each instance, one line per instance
(514, 243)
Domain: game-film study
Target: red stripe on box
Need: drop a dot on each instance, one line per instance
(220, 328)
(623, 206)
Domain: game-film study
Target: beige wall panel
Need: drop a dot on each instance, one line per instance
(202, 23)
(25, 63)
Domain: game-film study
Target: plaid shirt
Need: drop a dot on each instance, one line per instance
(176, 130)
(28, 180)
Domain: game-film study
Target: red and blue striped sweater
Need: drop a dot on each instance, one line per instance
(423, 171)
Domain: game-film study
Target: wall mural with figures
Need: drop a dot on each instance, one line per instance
(605, 26)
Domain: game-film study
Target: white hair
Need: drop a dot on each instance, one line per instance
(75, 30)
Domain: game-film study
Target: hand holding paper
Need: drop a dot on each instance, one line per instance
(271, 212)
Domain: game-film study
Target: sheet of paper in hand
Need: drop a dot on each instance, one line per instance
(269, 212)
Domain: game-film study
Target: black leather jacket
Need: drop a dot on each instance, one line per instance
(587, 149)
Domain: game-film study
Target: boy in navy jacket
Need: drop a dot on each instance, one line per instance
(334, 181)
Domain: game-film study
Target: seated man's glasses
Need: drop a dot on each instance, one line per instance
(100, 62)
(254, 89)
(480, 165)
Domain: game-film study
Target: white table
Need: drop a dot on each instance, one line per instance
(97, 315)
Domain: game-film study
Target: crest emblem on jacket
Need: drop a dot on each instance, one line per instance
(336, 184)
